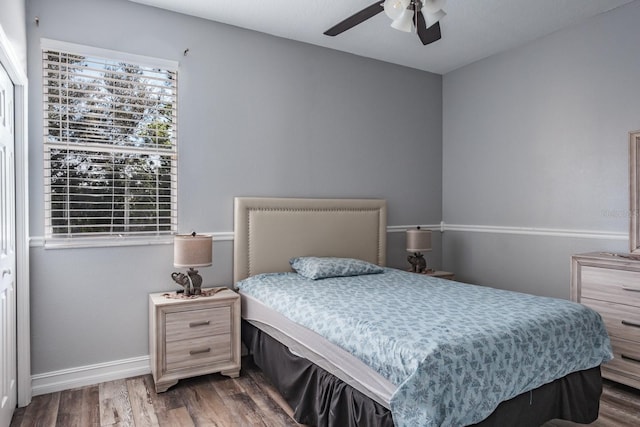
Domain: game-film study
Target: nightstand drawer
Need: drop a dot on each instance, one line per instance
(622, 321)
(605, 284)
(198, 351)
(198, 323)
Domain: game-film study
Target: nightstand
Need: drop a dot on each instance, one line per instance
(442, 274)
(193, 336)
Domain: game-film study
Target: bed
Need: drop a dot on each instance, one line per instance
(331, 373)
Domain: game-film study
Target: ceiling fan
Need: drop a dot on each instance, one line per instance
(424, 15)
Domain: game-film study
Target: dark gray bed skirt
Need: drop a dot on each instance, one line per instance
(320, 399)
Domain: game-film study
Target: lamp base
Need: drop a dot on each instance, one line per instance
(191, 282)
(418, 263)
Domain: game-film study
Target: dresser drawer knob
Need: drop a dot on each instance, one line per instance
(635, 325)
(627, 288)
(200, 351)
(632, 359)
(196, 324)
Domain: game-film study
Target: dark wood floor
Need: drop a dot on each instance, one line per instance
(215, 400)
(209, 400)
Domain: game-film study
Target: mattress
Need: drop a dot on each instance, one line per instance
(308, 344)
(452, 351)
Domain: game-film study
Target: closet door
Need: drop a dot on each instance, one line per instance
(8, 347)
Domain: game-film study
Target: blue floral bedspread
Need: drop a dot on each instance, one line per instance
(454, 350)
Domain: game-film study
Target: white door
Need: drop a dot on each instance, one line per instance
(8, 348)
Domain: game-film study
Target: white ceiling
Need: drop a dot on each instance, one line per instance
(472, 29)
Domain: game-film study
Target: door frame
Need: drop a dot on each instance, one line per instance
(10, 62)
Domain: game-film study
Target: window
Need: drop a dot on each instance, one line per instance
(109, 145)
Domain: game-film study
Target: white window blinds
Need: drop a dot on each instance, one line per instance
(109, 146)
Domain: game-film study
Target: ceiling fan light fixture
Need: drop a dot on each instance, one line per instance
(433, 18)
(405, 16)
(432, 6)
(395, 8)
(404, 22)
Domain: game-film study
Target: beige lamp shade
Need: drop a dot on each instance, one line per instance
(418, 240)
(192, 250)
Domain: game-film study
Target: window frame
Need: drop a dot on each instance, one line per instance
(79, 239)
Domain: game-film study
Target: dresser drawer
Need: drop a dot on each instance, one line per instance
(198, 351)
(607, 284)
(626, 359)
(622, 321)
(198, 323)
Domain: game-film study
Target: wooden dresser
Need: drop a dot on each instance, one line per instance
(190, 337)
(610, 284)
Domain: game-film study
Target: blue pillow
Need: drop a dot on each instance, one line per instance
(323, 267)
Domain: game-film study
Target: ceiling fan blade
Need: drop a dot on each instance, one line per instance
(355, 19)
(427, 35)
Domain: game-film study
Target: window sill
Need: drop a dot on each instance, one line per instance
(102, 242)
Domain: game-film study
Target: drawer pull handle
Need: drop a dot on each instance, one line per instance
(203, 350)
(633, 359)
(635, 325)
(627, 288)
(196, 324)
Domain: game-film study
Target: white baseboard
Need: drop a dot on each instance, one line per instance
(50, 382)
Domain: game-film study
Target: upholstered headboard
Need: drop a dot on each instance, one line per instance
(270, 231)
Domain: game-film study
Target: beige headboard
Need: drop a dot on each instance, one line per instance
(270, 231)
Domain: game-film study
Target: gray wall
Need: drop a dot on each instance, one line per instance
(258, 116)
(12, 21)
(538, 137)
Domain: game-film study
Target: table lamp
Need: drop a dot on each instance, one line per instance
(418, 241)
(191, 250)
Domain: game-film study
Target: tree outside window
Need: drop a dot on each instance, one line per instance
(110, 147)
